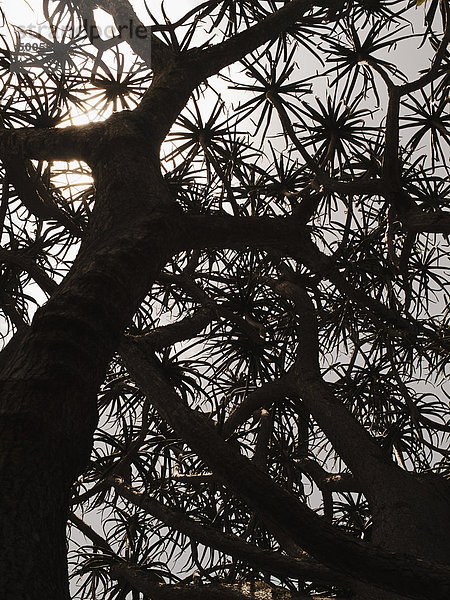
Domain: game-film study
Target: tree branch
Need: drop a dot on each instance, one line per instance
(224, 231)
(27, 264)
(145, 583)
(287, 234)
(153, 51)
(212, 60)
(262, 397)
(401, 574)
(170, 91)
(96, 539)
(357, 448)
(434, 70)
(418, 221)
(65, 143)
(264, 560)
(177, 332)
(34, 195)
(331, 482)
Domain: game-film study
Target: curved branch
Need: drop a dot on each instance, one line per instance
(262, 397)
(153, 51)
(215, 58)
(177, 332)
(145, 583)
(65, 143)
(34, 195)
(357, 448)
(264, 560)
(401, 574)
(434, 70)
(25, 263)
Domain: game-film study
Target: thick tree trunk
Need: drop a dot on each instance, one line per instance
(35, 486)
(50, 377)
(413, 517)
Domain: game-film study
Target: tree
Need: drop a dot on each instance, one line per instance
(238, 362)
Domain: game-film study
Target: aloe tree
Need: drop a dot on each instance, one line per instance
(224, 295)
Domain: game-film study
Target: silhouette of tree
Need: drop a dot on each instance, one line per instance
(224, 301)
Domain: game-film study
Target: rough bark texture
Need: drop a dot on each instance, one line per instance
(50, 380)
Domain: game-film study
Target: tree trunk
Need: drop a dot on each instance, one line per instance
(35, 487)
(50, 376)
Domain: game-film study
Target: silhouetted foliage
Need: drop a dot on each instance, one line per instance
(302, 318)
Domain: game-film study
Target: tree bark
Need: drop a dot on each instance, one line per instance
(395, 573)
(53, 370)
(50, 375)
(257, 590)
